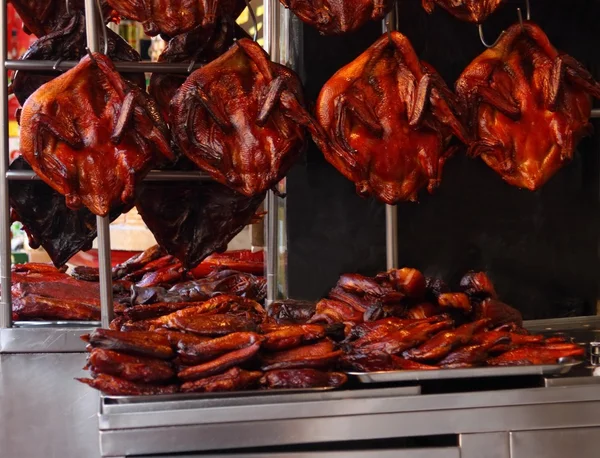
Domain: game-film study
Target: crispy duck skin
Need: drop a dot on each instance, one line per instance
(478, 285)
(48, 221)
(292, 311)
(471, 355)
(498, 312)
(115, 386)
(131, 368)
(42, 17)
(194, 220)
(302, 378)
(196, 321)
(532, 355)
(408, 281)
(513, 338)
(366, 362)
(475, 11)
(69, 43)
(332, 311)
(137, 262)
(173, 17)
(177, 338)
(398, 341)
(152, 266)
(291, 336)
(149, 311)
(422, 311)
(457, 301)
(137, 343)
(523, 85)
(390, 153)
(210, 349)
(335, 17)
(441, 344)
(162, 277)
(91, 135)
(241, 119)
(240, 260)
(320, 355)
(234, 379)
(388, 324)
(220, 364)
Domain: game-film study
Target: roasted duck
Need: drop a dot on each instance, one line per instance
(173, 17)
(240, 118)
(529, 105)
(131, 368)
(118, 387)
(193, 220)
(466, 10)
(321, 355)
(48, 221)
(92, 136)
(234, 379)
(42, 17)
(387, 120)
(220, 364)
(68, 44)
(136, 343)
(302, 378)
(292, 311)
(333, 17)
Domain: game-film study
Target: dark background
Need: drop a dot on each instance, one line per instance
(541, 249)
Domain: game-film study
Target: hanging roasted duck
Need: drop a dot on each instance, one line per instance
(529, 106)
(92, 136)
(69, 44)
(200, 45)
(48, 221)
(466, 10)
(42, 17)
(334, 17)
(174, 17)
(193, 220)
(240, 118)
(388, 119)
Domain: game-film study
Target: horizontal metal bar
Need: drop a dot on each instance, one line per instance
(153, 175)
(144, 66)
(596, 113)
(44, 339)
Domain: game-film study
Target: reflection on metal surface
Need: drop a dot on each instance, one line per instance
(43, 340)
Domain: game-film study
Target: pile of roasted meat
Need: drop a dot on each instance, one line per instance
(397, 320)
(153, 278)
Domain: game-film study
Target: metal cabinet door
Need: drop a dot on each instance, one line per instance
(556, 443)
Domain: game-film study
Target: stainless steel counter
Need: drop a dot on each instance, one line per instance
(43, 411)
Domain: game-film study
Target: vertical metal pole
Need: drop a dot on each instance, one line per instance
(391, 211)
(271, 44)
(103, 223)
(5, 259)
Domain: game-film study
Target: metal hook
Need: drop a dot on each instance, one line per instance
(191, 66)
(103, 26)
(482, 38)
(388, 27)
(528, 10)
(68, 7)
(89, 53)
(254, 20)
(57, 63)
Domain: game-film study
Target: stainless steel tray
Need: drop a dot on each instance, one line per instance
(56, 324)
(562, 367)
(139, 399)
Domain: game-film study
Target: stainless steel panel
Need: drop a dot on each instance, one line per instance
(476, 372)
(572, 381)
(371, 425)
(42, 340)
(487, 445)
(557, 443)
(446, 452)
(44, 412)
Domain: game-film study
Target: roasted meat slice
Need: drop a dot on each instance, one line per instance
(320, 355)
(115, 386)
(332, 311)
(50, 308)
(92, 136)
(193, 220)
(466, 10)
(173, 17)
(387, 119)
(530, 355)
(410, 282)
(234, 379)
(441, 344)
(220, 364)
(457, 301)
(302, 378)
(292, 311)
(48, 221)
(498, 312)
(177, 338)
(471, 355)
(422, 311)
(131, 368)
(42, 17)
(137, 343)
(240, 260)
(138, 261)
(196, 321)
(529, 105)
(149, 311)
(240, 118)
(478, 285)
(335, 17)
(293, 335)
(210, 349)
(69, 43)
(164, 277)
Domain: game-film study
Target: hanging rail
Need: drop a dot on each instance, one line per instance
(153, 175)
(142, 66)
